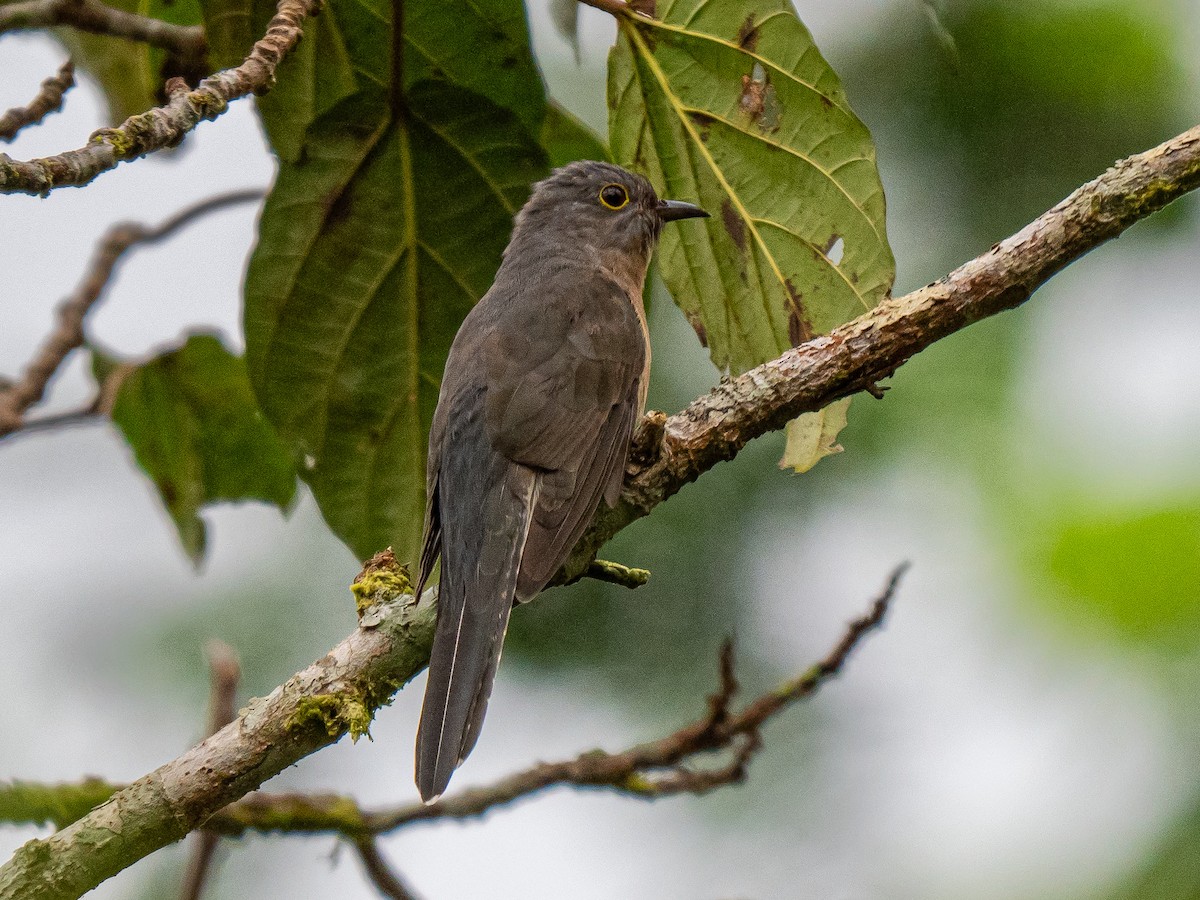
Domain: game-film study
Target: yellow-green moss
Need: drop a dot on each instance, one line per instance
(336, 713)
(378, 584)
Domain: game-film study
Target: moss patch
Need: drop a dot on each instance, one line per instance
(381, 579)
(335, 713)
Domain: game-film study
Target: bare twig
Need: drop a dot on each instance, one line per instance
(656, 769)
(49, 99)
(18, 396)
(222, 707)
(167, 125)
(184, 41)
(380, 874)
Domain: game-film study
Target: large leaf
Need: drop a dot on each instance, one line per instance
(195, 429)
(731, 105)
(385, 226)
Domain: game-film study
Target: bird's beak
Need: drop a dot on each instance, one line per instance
(671, 210)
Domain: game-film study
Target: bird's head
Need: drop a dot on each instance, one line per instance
(600, 208)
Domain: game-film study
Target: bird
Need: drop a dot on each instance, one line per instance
(543, 385)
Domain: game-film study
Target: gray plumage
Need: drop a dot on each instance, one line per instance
(543, 385)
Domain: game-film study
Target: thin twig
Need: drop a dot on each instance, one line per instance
(658, 769)
(167, 125)
(225, 673)
(186, 42)
(18, 396)
(379, 873)
(49, 99)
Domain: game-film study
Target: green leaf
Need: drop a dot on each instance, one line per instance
(230, 26)
(194, 428)
(482, 46)
(731, 105)
(566, 139)
(370, 255)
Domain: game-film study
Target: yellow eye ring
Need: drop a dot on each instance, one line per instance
(614, 196)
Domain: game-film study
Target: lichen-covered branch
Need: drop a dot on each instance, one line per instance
(669, 453)
(655, 769)
(18, 396)
(334, 696)
(164, 126)
(184, 41)
(49, 99)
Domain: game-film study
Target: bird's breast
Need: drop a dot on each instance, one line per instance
(631, 285)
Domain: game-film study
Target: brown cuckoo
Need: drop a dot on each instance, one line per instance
(544, 383)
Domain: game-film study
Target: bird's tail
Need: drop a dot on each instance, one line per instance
(480, 562)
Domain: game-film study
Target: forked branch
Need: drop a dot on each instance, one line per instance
(18, 396)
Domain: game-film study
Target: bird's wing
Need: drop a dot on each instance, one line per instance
(562, 397)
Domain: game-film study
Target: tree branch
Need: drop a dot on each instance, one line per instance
(167, 125)
(184, 41)
(314, 708)
(338, 693)
(18, 396)
(49, 99)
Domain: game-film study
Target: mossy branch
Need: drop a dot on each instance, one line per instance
(672, 452)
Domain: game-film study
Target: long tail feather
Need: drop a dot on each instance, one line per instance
(475, 597)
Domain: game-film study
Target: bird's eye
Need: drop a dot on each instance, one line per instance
(614, 196)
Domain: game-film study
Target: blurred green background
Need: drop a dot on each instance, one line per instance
(1026, 725)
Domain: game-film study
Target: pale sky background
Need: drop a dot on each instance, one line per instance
(968, 751)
